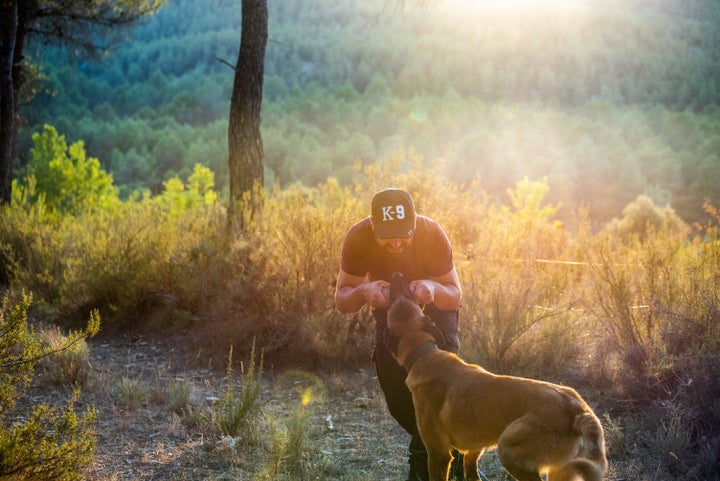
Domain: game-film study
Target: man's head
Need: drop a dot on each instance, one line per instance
(393, 214)
(393, 219)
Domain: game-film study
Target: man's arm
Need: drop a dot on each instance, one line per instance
(443, 291)
(352, 293)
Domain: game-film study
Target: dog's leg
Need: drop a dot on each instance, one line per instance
(470, 464)
(439, 464)
(518, 447)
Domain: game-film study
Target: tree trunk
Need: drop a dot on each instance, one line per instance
(244, 138)
(8, 27)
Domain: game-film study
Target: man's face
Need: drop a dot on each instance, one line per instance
(394, 246)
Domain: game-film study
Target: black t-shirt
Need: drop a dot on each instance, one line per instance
(429, 254)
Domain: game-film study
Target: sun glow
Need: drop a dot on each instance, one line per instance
(557, 14)
(519, 6)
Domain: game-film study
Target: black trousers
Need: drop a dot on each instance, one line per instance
(392, 375)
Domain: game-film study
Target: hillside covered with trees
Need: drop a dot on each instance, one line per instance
(606, 103)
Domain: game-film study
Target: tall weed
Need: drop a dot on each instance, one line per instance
(237, 415)
(289, 444)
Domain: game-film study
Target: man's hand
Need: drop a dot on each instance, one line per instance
(423, 290)
(377, 293)
(352, 292)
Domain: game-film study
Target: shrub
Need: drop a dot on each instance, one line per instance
(63, 178)
(515, 285)
(179, 394)
(52, 443)
(120, 260)
(642, 217)
(657, 298)
(289, 445)
(279, 279)
(69, 362)
(131, 393)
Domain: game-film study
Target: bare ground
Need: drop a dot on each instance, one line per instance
(350, 435)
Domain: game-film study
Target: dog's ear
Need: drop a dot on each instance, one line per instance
(431, 328)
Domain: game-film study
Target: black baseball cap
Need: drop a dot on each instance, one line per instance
(393, 214)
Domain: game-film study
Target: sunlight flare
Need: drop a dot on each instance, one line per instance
(519, 6)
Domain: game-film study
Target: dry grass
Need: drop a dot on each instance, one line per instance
(69, 363)
(154, 422)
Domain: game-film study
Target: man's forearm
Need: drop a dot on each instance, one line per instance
(447, 296)
(349, 299)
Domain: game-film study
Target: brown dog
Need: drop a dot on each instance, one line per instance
(538, 427)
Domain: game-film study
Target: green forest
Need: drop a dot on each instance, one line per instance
(606, 103)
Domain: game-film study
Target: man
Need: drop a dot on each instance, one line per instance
(395, 239)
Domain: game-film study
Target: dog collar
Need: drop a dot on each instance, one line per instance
(419, 352)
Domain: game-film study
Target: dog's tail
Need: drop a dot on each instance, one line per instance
(590, 463)
(593, 447)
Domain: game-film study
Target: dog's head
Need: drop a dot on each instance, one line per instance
(405, 317)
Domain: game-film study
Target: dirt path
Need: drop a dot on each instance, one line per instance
(350, 435)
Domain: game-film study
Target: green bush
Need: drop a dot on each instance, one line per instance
(63, 178)
(52, 442)
(135, 260)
